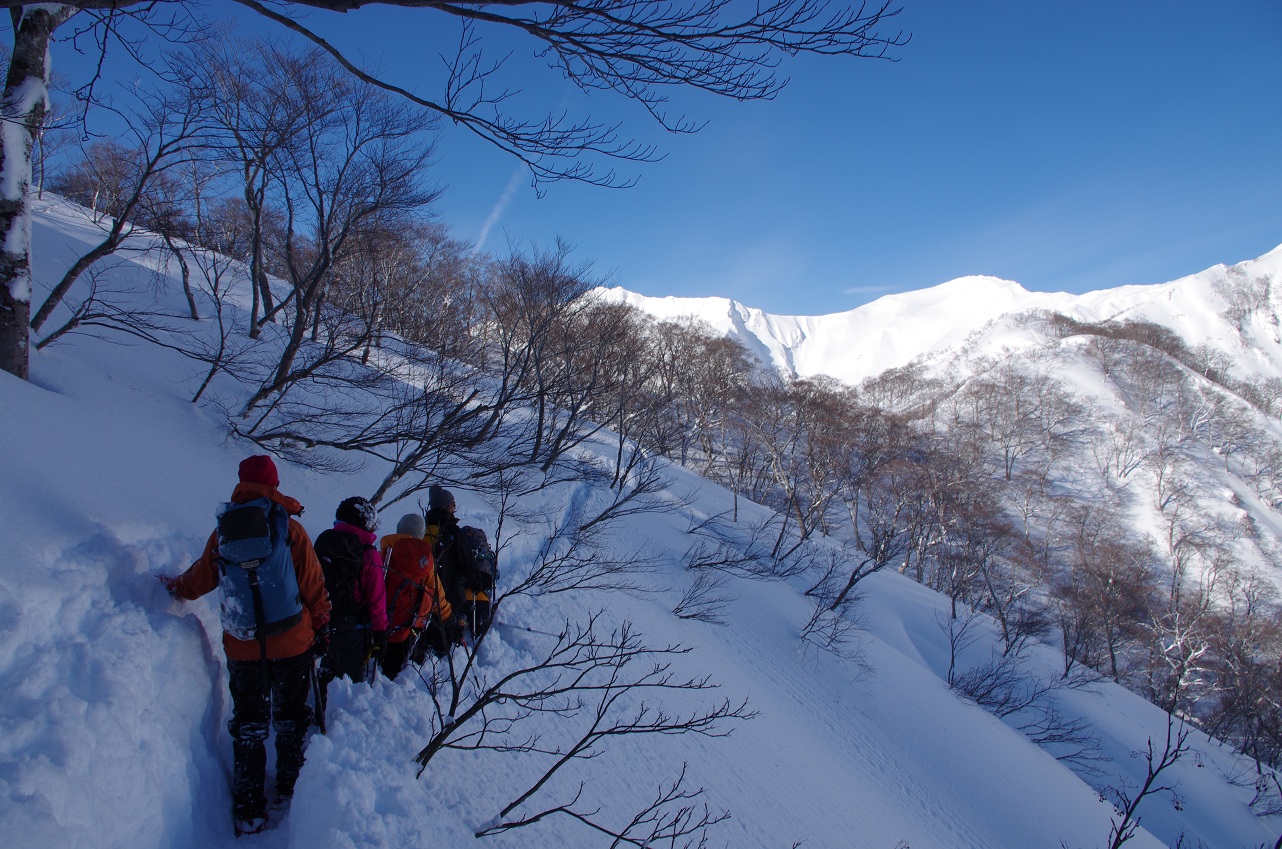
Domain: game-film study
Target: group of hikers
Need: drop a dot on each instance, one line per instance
(297, 615)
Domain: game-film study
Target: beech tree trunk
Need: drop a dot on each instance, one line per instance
(22, 111)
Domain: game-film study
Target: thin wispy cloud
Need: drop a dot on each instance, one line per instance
(500, 207)
(868, 290)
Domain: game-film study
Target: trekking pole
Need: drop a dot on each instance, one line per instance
(371, 661)
(532, 630)
(456, 682)
(318, 695)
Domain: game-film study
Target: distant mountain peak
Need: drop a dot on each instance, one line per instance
(926, 323)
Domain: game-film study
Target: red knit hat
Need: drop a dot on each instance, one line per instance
(259, 469)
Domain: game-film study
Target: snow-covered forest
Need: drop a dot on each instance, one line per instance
(966, 567)
(1104, 466)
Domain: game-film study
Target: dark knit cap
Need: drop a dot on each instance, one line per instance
(439, 498)
(259, 469)
(359, 512)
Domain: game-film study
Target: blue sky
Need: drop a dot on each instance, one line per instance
(1068, 146)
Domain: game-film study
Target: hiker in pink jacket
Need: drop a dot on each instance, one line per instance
(354, 579)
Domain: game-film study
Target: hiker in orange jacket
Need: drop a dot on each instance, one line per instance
(414, 591)
(270, 663)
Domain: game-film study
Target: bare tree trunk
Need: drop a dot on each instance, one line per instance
(106, 247)
(186, 275)
(22, 111)
(262, 293)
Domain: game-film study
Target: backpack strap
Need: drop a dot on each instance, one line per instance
(260, 617)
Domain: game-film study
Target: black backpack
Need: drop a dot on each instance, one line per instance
(478, 564)
(342, 557)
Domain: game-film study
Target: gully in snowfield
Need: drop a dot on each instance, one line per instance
(273, 604)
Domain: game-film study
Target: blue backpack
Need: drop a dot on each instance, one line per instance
(260, 596)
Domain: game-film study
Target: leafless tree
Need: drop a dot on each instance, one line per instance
(834, 621)
(603, 687)
(22, 106)
(1004, 403)
(704, 375)
(1009, 591)
(1244, 295)
(58, 128)
(638, 50)
(881, 491)
(434, 291)
(907, 391)
(127, 183)
(705, 599)
(1246, 646)
(1232, 430)
(1126, 800)
(434, 426)
(580, 385)
(1069, 738)
(747, 551)
(721, 547)
(960, 626)
(109, 305)
(629, 398)
(1111, 586)
(256, 104)
(673, 817)
(355, 161)
(973, 533)
(1119, 448)
(1180, 638)
(217, 274)
(532, 302)
(576, 555)
(773, 423)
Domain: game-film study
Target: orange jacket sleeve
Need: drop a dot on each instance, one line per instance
(202, 576)
(442, 603)
(311, 580)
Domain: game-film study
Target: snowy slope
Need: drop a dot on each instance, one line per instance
(932, 324)
(113, 698)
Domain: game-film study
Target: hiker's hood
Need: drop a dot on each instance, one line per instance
(249, 491)
(365, 536)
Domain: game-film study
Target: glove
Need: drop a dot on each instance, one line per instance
(379, 649)
(320, 645)
(459, 632)
(171, 585)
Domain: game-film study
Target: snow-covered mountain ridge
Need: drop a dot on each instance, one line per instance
(930, 323)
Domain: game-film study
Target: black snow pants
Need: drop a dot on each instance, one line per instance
(282, 700)
(396, 656)
(348, 656)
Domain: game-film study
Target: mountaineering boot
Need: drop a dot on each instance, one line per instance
(282, 799)
(249, 825)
